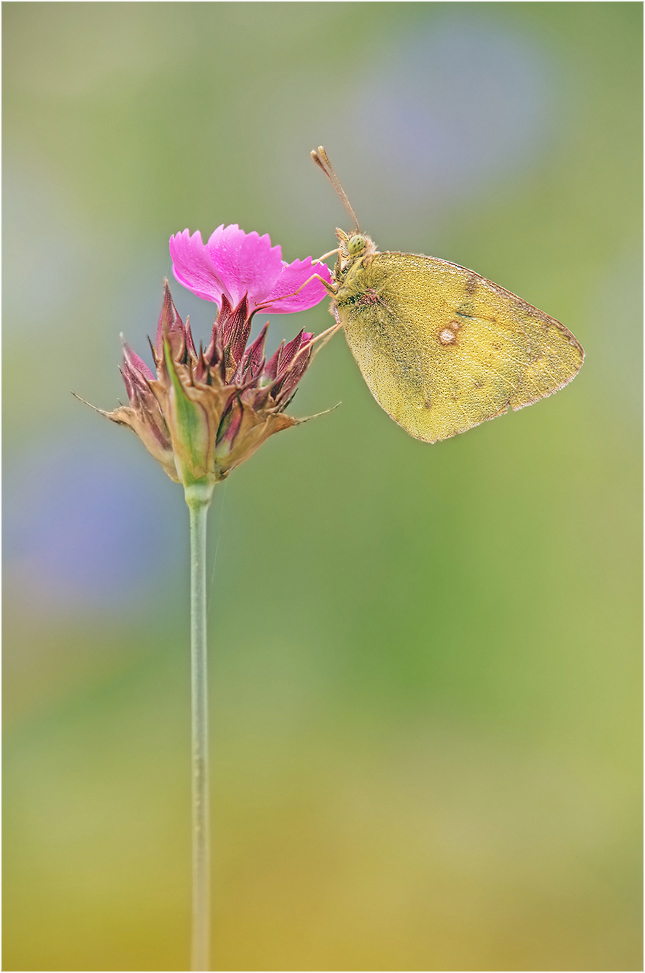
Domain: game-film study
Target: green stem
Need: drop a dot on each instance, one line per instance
(198, 499)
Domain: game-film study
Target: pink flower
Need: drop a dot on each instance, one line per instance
(207, 410)
(234, 264)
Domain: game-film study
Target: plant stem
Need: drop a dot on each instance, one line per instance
(198, 499)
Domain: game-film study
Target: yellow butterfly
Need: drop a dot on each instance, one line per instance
(441, 348)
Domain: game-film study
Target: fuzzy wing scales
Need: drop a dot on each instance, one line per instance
(443, 349)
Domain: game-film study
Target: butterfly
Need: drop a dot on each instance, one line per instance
(441, 348)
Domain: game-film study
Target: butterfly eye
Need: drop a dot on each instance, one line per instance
(356, 244)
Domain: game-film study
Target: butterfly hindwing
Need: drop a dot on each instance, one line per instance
(443, 349)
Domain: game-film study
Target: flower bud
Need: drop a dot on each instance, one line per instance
(206, 412)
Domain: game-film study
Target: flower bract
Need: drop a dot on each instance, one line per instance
(206, 411)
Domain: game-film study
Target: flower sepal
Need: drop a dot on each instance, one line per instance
(187, 411)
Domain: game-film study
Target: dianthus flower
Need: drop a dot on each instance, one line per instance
(204, 412)
(208, 410)
(234, 264)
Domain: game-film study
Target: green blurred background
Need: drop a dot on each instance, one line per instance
(425, 660)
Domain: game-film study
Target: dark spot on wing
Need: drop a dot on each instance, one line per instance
(371, 296)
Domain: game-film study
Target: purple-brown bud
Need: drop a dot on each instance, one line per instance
(207, 411)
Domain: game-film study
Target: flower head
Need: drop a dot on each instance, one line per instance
(234, 264)
(207, 411)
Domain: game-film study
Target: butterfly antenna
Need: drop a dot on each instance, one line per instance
(321, 159)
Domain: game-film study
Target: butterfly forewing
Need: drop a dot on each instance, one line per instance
(443, 349)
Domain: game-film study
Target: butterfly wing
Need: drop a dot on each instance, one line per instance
(443, 349)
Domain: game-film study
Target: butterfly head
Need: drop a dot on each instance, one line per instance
(353, 246)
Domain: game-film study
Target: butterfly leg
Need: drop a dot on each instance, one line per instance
(329, 287)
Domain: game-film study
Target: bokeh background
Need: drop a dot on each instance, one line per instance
(425, 660)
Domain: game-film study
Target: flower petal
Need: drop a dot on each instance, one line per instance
(246, 263)
(282, 299)
(193, 267)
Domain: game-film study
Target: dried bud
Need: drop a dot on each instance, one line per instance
(206, 412)
(144, 415)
